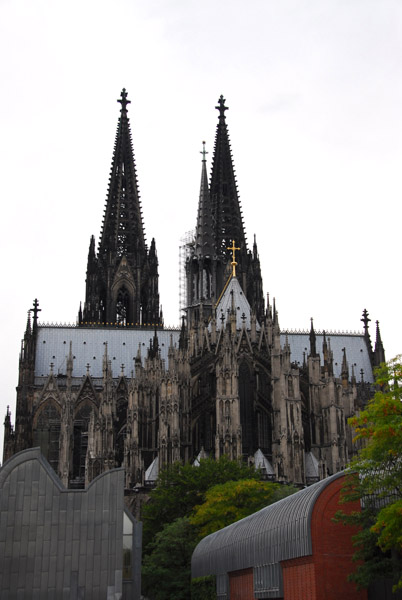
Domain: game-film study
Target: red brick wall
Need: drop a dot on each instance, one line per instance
(323, 576)
(241, 585)
(299, 579)
(332, 547)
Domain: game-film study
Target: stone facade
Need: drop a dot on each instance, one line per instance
(118, 389)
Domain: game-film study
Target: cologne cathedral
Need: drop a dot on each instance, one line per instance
(120, 389)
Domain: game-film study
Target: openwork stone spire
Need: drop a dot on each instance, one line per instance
(204, 241)
(122, 229)
(122, 279)
(228, 220)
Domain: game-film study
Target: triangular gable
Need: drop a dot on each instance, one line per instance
(152, 473)
(87, 392)
(261, 462)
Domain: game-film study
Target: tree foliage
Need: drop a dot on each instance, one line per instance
(376, 479)
(166, 571)
(231, 501)
(171, 530)
(181, 487)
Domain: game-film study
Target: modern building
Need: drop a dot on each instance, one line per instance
(118, 389)
(291, 550)
(57, 543)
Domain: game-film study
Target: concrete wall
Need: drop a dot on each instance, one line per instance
(57, 543)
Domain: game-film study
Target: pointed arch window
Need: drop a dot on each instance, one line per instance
(81, 422)
(247, 416)
(46, 433)
(122, 306)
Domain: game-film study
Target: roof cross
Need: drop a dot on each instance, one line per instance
(233, 263)
(222, 107)
(123, 100)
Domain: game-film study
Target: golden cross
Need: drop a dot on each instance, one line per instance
(233, 263)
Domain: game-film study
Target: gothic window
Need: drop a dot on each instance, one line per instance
(122, 306)
(120, 428)
(246, 408)
(81, 422)
(120, 438)
(264, 432)
(290, 387)
(46, 433)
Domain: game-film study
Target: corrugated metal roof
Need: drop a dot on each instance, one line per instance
(278, 532)
(88, 347)
(356, 351)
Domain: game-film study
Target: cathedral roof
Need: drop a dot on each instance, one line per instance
(88, 348)
(233, 298)
(357, 354)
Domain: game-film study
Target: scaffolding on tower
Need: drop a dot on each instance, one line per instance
(186, 245)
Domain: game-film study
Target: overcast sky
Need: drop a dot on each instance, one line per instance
(314, 90)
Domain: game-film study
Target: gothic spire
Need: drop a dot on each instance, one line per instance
(204, 241)
(122, 279)
(345, 369)
(312, 336)
(228, 220)
(122, 229)
(379, 354)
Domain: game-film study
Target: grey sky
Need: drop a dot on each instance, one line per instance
(314, 91)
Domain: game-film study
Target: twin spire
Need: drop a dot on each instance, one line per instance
(225, 202)
(219, 229)
(123, 228)
(122, 278)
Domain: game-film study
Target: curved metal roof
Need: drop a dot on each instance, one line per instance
(277, 532)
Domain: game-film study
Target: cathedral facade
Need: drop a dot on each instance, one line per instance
(120, 389)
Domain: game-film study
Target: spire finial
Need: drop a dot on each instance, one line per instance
(221, 107)
(35, 311)
(123, 100)
(203, 152)
(233, 263)
(365, 319)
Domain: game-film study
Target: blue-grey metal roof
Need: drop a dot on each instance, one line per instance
(356, 351)
(278, 532)
(234, 296)
(88, 347)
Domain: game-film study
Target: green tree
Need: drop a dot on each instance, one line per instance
(166, 565)
(181, 487)
(166, 571)
(231, 501)
(376, 479)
